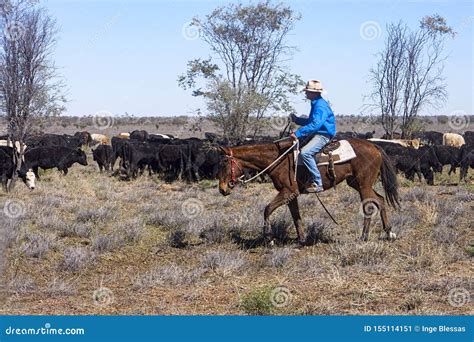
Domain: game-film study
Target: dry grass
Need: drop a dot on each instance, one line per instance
(158, 255)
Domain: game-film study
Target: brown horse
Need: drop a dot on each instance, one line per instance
(360, 173)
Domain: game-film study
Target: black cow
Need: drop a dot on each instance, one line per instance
(48, 157)
(429, 137)
(8, 167)
(139, 155)
(85, 137)
(448, 155)
(172, 159)
(469, 137)
(117, 151)
(403, 158)
(429, 162)
(103, 156)
(139, 135)
(349, 135)
(467, 160)
(55, 140)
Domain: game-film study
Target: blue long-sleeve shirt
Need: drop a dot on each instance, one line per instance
(321, 120)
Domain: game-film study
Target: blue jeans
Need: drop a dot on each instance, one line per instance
(307, 156)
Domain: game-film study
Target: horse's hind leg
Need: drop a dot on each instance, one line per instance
(366, 194)
(383, 216)
(295, 214)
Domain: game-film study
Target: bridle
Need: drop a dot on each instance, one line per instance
(232, 163)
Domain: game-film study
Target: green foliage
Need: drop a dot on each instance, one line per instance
(245, 78)
(258, 301)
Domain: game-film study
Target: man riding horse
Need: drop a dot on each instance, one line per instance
(369, 164)
(318, 129)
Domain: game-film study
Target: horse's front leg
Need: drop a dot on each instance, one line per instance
(283, 197)
(295, 214)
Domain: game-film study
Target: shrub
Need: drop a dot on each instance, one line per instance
(320, 231)
(75, 258)
(366, 254)
(258, 301)
(279, 257)
(167, 275)
(176, 239)
(223, 261)
(280, 227)
(78, 229)
(417, 194)
(22, 284)
(101, 214)
(58, 287)
(445, 234)
(37, 245)
(413, 301)
(214, 234)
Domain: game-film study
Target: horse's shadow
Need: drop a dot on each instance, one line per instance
(285, 240)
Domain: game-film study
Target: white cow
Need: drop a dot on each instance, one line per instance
(100, 139)
(414, 143)
(17, 144)
(453, 139)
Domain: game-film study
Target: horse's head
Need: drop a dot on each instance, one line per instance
(229, 171)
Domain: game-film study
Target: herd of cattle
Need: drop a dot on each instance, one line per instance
(193, 159)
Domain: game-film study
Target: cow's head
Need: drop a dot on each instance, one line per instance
(81, 157)
(28, 177)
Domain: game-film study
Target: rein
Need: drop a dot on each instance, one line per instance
(241, 179)
(296, 144)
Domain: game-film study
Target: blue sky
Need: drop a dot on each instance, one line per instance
(125, 56)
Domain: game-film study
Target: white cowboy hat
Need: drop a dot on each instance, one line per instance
(314, 86)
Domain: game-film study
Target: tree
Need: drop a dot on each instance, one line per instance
(29, 85)
(408, 76)
(250, 77)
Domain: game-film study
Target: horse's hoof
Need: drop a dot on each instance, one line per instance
(268, 242)
(390, 236)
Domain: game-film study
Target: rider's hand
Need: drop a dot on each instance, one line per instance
(293, 136)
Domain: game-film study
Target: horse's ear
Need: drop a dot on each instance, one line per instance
(223, 150)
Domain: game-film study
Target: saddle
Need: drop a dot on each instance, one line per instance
(334, 152)
(326, 154)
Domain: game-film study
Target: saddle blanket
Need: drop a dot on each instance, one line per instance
(341, 154)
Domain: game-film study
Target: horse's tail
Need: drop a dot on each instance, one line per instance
(389, 180)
